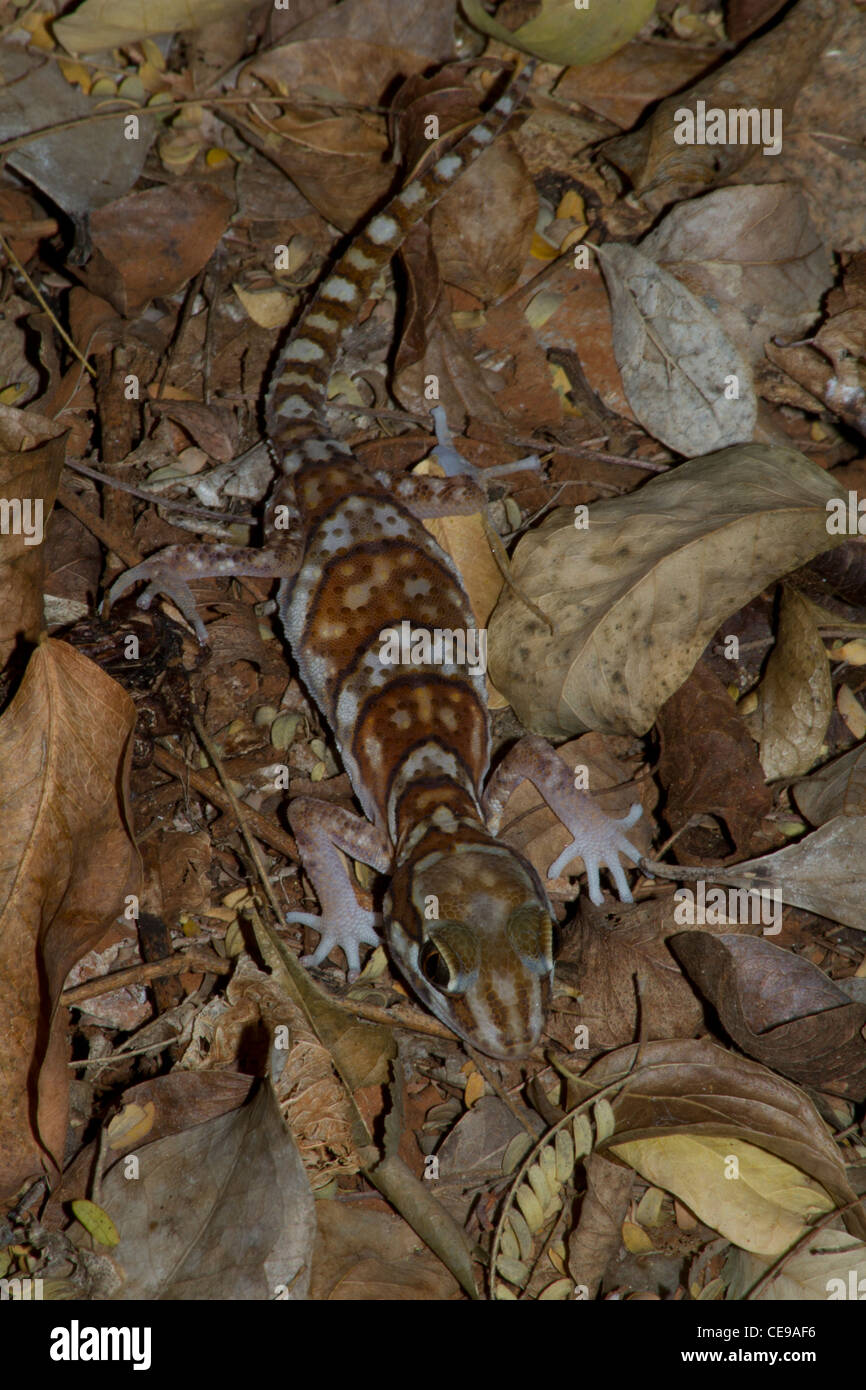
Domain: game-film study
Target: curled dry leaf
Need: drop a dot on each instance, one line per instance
(686, 382)
(796, 694)
(780, 1009)
(595, 1242)
(625, 980)
(560, 35)
(776, 65)
(636, 596)
(698, 1089)
(825, 872)
(68, 862)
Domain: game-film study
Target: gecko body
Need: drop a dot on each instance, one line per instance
(466, 918)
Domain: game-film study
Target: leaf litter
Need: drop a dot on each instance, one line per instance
(679, 331)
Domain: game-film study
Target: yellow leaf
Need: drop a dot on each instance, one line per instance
(853, 652)
(76, 74)
(764, 1209)
(572, 206)
(131, 1125)
(541, 250)
(851, 711)
(561, 34)
(96, 1221)
(635, 1239)
(268, 308)
(475, 1088)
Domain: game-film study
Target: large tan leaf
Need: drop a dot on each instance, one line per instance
(66, 862)
(561, 34)
(99, 24)
(686, 381)
(635, 597)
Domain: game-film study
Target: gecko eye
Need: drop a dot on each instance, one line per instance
(449, 958)
(532, 933)
(433, 966)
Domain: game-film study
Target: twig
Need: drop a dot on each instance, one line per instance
(196, 959)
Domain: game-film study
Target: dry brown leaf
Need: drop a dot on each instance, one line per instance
(327, 139)
(151, 243)
(708, 764)
(373, 1256)
(838, 789)
(68, 863)
(780, 1009)
(636, 596)
(825, 872)
(796, 694)
(595, 1241)
(31, 461)
(621, 87)
(775, 65)
(220, 1210)
(686, 381)
(619, 966)
(751, 253)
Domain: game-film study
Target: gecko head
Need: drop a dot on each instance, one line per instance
(471, 929)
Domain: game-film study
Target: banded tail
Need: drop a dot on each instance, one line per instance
(298, 389)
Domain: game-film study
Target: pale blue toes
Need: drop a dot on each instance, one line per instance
(599, 844)
(350, 928)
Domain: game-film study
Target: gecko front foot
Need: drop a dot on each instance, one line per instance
(347, 925)
(598, 840)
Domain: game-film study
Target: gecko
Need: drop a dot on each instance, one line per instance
(466, 918)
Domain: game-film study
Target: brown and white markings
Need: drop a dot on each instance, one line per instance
(466, 917)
